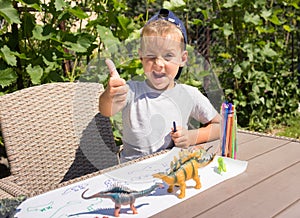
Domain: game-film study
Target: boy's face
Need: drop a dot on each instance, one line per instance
(161, 57)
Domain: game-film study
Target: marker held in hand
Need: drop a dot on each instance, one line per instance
(112, 68)
(172, 144)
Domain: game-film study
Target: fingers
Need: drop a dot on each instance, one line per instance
(180, 137)
(177, 132)
(112, 68)
(117, 85)
(119, 93)
(115, 94)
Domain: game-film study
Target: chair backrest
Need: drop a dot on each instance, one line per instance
(54, 133)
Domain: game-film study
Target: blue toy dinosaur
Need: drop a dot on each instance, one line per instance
(122, 195)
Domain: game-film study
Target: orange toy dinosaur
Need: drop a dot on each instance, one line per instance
(185, 168)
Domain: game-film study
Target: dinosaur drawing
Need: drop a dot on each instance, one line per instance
(185, 168)
(122, 195)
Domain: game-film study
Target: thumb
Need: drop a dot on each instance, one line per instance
(112, 68)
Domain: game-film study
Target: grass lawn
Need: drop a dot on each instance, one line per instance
(292, 130)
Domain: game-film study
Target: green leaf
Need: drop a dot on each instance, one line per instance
(7, 77)
(266, 14)
(173, 4)
(267, 51)
(251, 18)
(259, 3)
(37, 33)
(231, 3)
(124, 21)
(261, 29)
(227, 29)
(274, 19)
(9, 13)
(59, 5)
(225, 55)
(9, 56)
(35, 74)
(51, 65)
(295, 4)
(205, 14)
(110, 42)
(78, 42)
(75, 47)
(287, 28)
(197, 22)
(78, 12)
(28, 24)
(35, 4)
(237, 71)
(22, 56)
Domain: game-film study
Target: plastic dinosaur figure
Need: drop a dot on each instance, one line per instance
(122, 195)
(185, 168)
(221, 165)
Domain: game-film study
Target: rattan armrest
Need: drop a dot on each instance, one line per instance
(10, 189)
(4, 194)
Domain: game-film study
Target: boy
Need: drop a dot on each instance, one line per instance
(151, 107)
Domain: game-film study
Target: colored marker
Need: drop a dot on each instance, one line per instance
(172, 144)
(174, 126)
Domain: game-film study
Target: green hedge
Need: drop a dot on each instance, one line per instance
(250, 46)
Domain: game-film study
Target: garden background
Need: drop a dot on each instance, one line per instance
(252, 46)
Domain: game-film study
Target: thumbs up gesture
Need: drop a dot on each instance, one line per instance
(112, 68)
(114, 97)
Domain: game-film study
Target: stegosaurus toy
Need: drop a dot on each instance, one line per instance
(185, 168)
(122, 195)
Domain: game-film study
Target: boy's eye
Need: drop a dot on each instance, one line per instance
(168, 57)
(151, 56)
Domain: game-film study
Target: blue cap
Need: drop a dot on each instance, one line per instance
(165, 14)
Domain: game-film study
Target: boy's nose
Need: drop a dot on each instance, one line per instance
(159, 61)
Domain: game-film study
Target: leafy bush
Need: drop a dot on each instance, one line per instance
(250, 46)
(50, 42)
(253, 53)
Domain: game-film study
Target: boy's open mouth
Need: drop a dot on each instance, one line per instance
(158, 75)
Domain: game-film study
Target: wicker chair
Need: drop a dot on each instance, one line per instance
(53, 133)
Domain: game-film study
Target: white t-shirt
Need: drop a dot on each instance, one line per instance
(149, 114)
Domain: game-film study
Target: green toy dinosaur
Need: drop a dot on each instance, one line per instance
(221, 165)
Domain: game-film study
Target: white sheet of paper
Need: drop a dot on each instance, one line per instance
(67, 201)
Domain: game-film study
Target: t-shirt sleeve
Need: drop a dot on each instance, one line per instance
(130, 93)
(203, 110)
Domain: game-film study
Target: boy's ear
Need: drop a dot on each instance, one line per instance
(140, 54)
(184, 57)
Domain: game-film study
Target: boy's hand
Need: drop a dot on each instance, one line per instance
(180, 137)
(112, 68)
(114, 97)
(117, 88)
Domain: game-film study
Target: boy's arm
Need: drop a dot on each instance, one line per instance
(209, 132)
(113, 99)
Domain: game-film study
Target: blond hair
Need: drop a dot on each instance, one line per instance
(161, 28)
